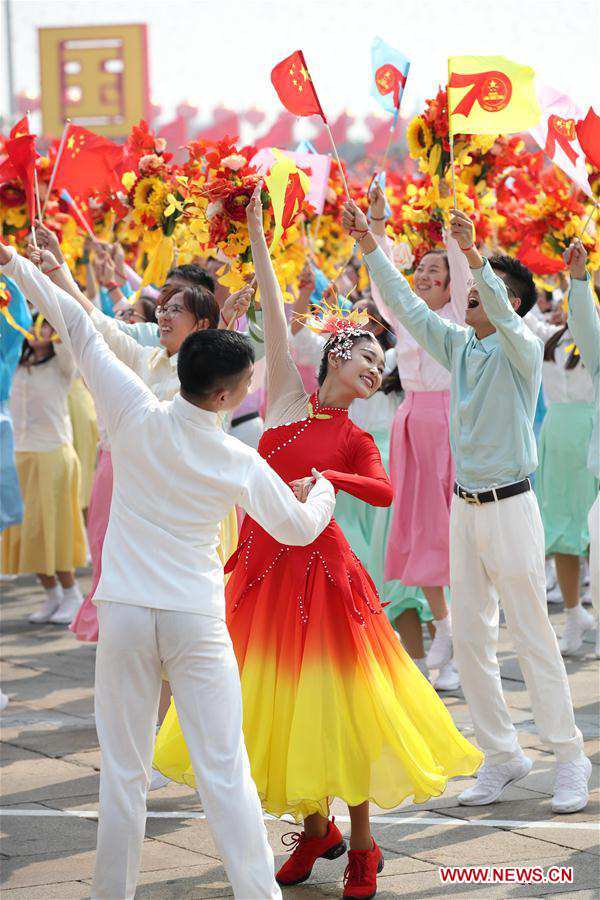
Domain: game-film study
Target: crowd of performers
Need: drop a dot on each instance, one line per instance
(214, 564)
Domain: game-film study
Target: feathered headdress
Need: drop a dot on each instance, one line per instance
(340, 327)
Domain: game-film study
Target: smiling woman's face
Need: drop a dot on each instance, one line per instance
(431, 281)
(362, 374)
(175, 321)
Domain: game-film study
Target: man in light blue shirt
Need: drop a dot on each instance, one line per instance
(496, 532)
(584, 324)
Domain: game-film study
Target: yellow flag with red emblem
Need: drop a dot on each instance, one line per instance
(288, 186)
(490, 95)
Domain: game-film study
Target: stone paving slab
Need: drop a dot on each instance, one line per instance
(50, 760)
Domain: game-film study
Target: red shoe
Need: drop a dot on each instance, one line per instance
(306, 852)
(360, 877)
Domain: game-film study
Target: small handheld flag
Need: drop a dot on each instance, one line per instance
(588, 132)
(557, 136)
(288, 186)
(294, 86)
(389, 74)
(297, 92)
(20, 163)
(87, 163)
(490, 95)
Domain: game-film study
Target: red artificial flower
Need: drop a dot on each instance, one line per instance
(11, 195)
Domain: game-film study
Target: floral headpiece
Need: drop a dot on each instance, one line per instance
(340, 327)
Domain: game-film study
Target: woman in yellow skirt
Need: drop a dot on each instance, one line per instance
(85, 437)
(51, 540)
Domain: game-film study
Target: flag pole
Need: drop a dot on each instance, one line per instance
(589, 219)
(337, 157)
(36, 187)
(79, 215)
(452, 170)
(59, 154)
(36, 192)
(393, 127)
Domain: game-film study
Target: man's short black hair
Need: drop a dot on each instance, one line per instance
(212, 360)
(194, 275)
(518, 279)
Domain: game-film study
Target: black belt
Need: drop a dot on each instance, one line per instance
(246, 418)
(500, 493)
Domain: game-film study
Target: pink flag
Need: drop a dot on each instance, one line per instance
(557, 136)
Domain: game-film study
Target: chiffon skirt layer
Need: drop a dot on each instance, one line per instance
(333, 705)
(85, 623)
(85, 435)
(367, 530)
(51, 537)
(422, 474)
(565, 487)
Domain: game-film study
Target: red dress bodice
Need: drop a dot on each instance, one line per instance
(345, 454)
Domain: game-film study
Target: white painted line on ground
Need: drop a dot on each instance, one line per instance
(377, 820)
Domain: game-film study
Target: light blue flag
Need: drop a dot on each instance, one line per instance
(388, 77)
(305, 147)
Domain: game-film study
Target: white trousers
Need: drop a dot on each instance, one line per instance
(134, 643)
(594, 526)
(497, 553)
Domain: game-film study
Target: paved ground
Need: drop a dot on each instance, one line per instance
(50, 762)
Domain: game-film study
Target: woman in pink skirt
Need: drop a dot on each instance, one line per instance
(421, 467)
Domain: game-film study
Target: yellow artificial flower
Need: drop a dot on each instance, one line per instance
(150, 197)
(16, 216)
(435, 156)
(418, 137)
(128, 180)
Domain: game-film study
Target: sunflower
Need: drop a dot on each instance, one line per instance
(150, 197)
(418, 137)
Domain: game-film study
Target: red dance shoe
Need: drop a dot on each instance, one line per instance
(360, 877)
(307, 851)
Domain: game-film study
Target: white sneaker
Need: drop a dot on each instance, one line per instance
(578, 622)
(158, 781)
(491, 781)
(586, 600)
(448, 678)
(440, 651)
(571, 785)
(422, 666)
(72, 600)
(3, 701)
(51, 603)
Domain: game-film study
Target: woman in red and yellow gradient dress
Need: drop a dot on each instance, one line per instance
(333, 705)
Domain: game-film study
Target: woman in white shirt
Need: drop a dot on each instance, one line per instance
(51, 539)
(421, 466)
(565, 487)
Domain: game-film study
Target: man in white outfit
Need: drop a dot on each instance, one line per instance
(496, 532)
(160, 599)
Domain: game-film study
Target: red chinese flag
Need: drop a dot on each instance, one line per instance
(295, 88)
(20, 129)
(20, 161)
(588, 132)
(87, 165)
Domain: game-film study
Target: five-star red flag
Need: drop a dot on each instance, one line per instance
(20, 161)
(588, 132)
(295, 88)
(87, 165)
